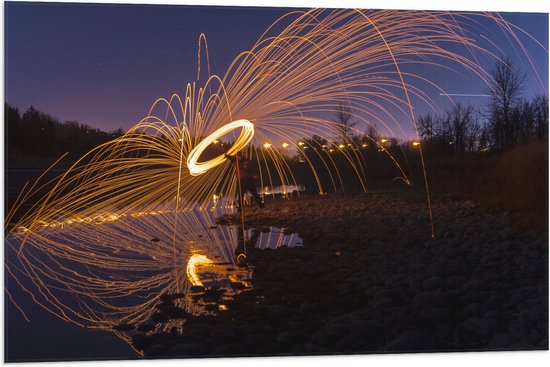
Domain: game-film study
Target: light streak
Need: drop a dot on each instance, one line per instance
(463, 95)
(247, 132)
(194, 262)
(102, 241)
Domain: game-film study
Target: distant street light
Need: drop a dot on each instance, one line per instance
(416, 143)
(384, 140)
(285, 145)
(267, 145)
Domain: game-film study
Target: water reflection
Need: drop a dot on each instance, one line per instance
(117, 274)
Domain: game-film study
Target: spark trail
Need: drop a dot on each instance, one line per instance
(84, 250)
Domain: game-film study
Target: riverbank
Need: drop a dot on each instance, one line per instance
(370, 279)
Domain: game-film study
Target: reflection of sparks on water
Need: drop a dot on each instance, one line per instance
(194, 262)
(96, 269)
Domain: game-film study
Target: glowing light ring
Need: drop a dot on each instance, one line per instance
(198, 168)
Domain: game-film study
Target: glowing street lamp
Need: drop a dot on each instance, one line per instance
(341, 146)
(267, 145)
(416, 143)
(300, 143)
(285, 145)
(384, 140)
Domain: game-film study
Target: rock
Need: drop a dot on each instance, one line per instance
(173, 312)
(184, 350)
(211, 307)
(456, 282)
(307, 308)
(410, 341)
(198, 330)
(534, 314)
(146, 328)
(437, 269)
(433, 283)
(499, 341)
(124, 327)
(495, 315)
(212, 295)
(472, 309)
(156, 350)
(427, 300)
(159, 317)
(237, 285)
(494, 302)
(307, 348)
(437, 315)
(197, 288)
(275, 310)
(286, 337)
(482, 328)
(224, 334)
(515, 327)
(142, 342)
(168, 298)
(230, 349)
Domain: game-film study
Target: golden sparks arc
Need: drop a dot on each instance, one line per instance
(100, 243)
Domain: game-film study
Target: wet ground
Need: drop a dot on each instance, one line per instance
(339, 274)
(212, 278)
(369, 279)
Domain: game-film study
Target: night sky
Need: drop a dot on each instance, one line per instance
(105, 65)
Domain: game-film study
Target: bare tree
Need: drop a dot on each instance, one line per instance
(505, 94)
(457, 130)
(343, 118)
(460, 123)
(427, 126)
(540, 111)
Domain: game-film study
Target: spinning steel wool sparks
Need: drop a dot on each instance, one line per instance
(85, 250)
(196, 168)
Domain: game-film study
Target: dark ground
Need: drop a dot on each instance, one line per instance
(370, 279)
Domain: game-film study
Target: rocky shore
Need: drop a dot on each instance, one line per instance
(371, 279)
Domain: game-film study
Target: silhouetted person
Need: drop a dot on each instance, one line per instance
(246, 176)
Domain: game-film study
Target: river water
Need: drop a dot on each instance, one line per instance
(146, 246)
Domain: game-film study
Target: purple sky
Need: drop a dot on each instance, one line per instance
(105, 65)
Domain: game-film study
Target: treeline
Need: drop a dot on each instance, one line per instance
(508, 121)
(35, 134)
